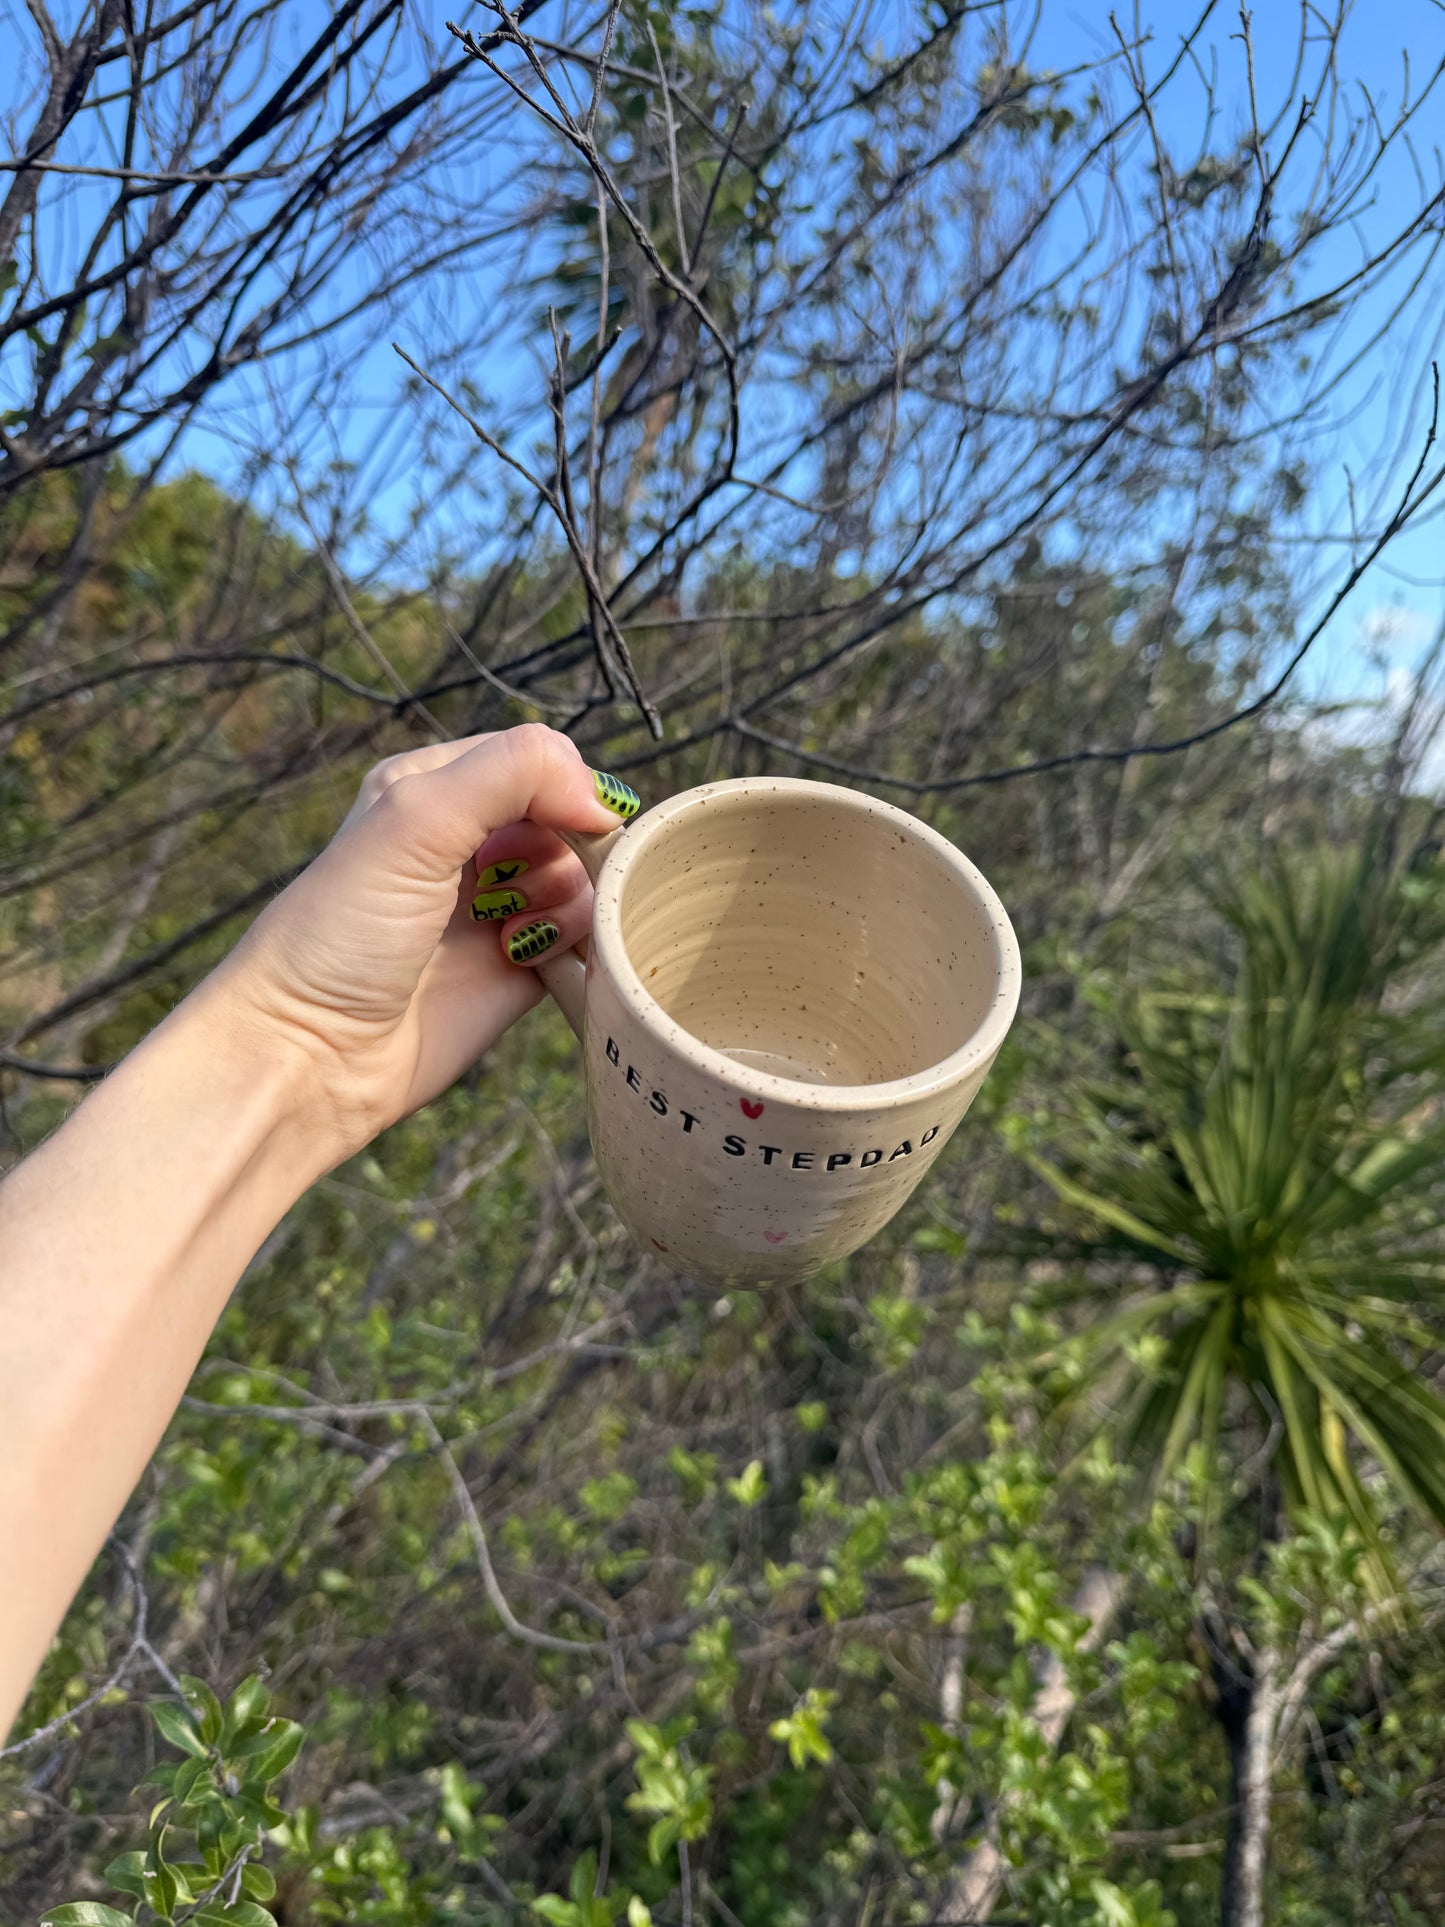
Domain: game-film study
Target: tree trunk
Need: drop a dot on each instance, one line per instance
(971, 1891)
(1253, 1794)
(1249, 1705)
(950, 1706)
(1232, 1708)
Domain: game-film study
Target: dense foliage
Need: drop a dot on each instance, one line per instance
(1068, 1556)
(799, 1574)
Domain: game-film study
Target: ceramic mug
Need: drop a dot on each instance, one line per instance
(792, 993)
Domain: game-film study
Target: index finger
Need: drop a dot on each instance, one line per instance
(446, 813)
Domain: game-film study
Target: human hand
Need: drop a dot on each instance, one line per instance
(361, 992)
(370, 972)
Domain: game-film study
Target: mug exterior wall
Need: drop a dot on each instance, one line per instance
(733, 1188)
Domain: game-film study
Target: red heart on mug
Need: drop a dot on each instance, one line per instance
(749, 1108)
(774, 1237)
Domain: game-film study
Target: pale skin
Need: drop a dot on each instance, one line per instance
(360, 994)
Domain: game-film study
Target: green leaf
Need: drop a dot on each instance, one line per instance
(126, 1871)
(554, 1908)
(261, 1811)
(240, 1913)
(584, 1880)
(247, 1707)
(1115, 1908)
(1109, 1213)
(177, 1726)
(662, 1836)
(751, 1486)
(189, 1776)
(1200, 1395)
(211, 1824)
(85, 1913)
(206, 1706)
(456, 1803)
(286, 1744)
(802, 1729)
(163, 1889)
(258, 1882)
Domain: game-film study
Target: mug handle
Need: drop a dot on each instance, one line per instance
(565, 976)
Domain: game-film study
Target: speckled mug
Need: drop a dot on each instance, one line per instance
(792, 994)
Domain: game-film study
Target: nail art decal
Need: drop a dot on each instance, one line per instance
(497, 876)
(616, 795)
(490, 906)
(531, 940)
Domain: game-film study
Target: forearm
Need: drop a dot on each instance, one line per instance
(120, 1241)
(358, 995)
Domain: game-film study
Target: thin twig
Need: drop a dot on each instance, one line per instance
(139, 1648)
(729, 149)
(562, 122)
(609, 29)
(1409, 505)
(54, 1073)
(684, 1874)
(342, 597)
(544, 704)
(672, 169)
(528, 1635)
(143, 174)
(557, 402)
(594, 427)
(570, 532)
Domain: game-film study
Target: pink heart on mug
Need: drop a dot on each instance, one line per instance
(749, 1108)
(774, 1237)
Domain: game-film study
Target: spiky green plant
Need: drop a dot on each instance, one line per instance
(1275, 1153)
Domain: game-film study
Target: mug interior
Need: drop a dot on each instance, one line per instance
(812, 935)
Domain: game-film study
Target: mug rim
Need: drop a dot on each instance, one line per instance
(607, 942)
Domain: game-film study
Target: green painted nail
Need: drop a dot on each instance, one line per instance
(488, 906)
(531, 940)
(616, 795)
(497, 875)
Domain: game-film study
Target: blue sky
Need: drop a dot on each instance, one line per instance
(1379, 417)
(1384, 407)
(1381, 409)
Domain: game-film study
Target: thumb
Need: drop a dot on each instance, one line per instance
(437, 818)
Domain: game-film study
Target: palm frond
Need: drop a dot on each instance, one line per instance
(1280, 1150)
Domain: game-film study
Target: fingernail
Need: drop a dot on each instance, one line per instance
(531, 940)
(497, 875)
(615, 794)
(489, 906)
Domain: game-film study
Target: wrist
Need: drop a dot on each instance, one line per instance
(264, 1070)
(328, 1082)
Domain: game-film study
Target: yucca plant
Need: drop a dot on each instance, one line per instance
(1274, 1152)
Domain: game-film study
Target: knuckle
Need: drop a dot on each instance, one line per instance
(398, 798)
(384, 775)
(534, 740)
